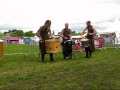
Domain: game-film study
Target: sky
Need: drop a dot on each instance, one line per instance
(31, 14)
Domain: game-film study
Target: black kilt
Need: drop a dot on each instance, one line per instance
(67, 48)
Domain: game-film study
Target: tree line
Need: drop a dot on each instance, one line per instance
(18, 33)
(21, 33)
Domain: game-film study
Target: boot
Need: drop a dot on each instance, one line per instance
(51, 57)
(64, 56)
(86, 50)
(86, 54)
(90, 52)
(43, 55)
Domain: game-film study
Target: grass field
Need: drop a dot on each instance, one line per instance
(100, 72)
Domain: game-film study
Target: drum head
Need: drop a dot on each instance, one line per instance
(85, 39)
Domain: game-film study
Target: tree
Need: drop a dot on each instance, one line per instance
(73, 32)
(1, 34)
(14, 30)
(29, 34)
(5, 33)
(59, 33)
(17, 33)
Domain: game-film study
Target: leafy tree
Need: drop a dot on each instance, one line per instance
(1, 34)
(17, 33)
(59, 33)
(73, 32)
(5, 33)
(14, 30)
(29, 34)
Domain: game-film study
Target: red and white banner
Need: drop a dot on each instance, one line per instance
(77, 45)
(98, 42)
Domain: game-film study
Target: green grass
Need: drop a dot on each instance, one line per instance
(101, 71)
(18, 48)
(111, 45)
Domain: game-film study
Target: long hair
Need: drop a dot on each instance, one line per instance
(47, 25)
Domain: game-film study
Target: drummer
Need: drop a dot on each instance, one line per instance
(66, 33)
(90, 34)
(44, 33)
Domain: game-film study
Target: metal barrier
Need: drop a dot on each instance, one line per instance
(100, 43)
(14, 48)
(33, 47)
(109, 43)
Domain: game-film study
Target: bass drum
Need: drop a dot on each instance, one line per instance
(52, 46)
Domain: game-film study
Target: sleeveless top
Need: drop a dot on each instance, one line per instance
(90, 30)
(66, 32)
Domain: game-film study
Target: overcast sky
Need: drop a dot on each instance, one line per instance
(31, 14)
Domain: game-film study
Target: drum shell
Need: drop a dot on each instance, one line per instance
(52, 46)
(85, 42)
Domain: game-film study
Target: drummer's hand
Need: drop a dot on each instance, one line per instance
(62, 36)
(65, 37)
(90, 33)
(82, 33)
(69, 35)
(50, 36)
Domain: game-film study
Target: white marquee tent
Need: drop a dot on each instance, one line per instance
(114, 28)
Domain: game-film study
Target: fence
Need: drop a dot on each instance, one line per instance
(99, 44)
(14, 47)
(111, 43)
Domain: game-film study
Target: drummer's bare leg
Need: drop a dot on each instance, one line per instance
(51, 57)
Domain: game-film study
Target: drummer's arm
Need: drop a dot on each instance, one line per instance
(84, 30)
(95, 32)
(70, 33)
(61, 34)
